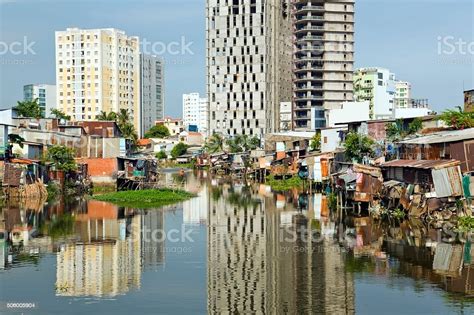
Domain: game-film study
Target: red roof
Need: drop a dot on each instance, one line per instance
(144, 142)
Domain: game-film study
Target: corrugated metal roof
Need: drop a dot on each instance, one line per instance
(422, 164)
(442, 137)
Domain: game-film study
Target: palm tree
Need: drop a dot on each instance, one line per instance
(123, 116)
(243, 143)
(106, 116)
(215, 143)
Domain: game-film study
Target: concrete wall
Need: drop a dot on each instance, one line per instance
(330, 139)
(349, 112)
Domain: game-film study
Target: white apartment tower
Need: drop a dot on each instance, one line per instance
(324, 59)
(97, 70)
(44, 93)
(249, 53)
(152, 93)
(402, 94)
(195, 112)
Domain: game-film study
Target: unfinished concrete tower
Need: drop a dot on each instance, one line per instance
(323, 60)
(249, 64)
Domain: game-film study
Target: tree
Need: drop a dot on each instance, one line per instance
(107, 116)
(242, 143)
(161, 155)
(458, 119)
(316, 142)
(29, 109)
(357, 146)
(62, 158)
(16, 139)
(60, 114)
(158, 131)
(179, 149)
(215, 143)
(123, 120)
(415, 126)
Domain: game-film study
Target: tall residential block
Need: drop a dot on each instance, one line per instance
(97, 70)
(323, 59)
(249, 64)
(44, 93)
(152, 93)
(376, 85)
(195, 112)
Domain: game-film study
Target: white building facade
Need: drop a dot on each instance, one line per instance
(196, 112)
(152, 92)
(97, 70)
(376, 85)
(44, 93)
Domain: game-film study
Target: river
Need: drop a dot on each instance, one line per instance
(235, 248)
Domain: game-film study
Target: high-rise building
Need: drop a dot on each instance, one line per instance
(249, 64)
(152, 93)
(97, 70)
(195, 112)
(45, 93)
(402, 94)
(376, 85)
(323, 60)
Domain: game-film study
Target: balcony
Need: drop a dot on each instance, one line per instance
(310, 48)
(301, 88)
(310, 38)
(308, 68)
(309, 97)
(310, 28)
(308, 78)
(310, 8)
(306, 18)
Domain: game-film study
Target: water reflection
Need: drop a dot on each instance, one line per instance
(265, 252)
(253, 266)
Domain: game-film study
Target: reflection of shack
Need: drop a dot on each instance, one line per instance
(22, 179)
(136, 173)
(369, 238)
(431, 185)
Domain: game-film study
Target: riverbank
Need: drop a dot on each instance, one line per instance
(145, 198)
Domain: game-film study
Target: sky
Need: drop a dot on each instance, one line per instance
(415, 39)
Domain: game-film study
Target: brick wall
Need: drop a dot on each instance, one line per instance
(101, 170)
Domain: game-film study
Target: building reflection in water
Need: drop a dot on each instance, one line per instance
(105, 260)
(254, 267)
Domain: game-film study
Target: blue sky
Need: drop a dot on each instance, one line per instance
(401, 35)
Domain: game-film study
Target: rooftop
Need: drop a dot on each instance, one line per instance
(442, 137)
(422, 164)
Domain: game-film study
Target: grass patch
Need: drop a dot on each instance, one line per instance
(151, 198)
(284, 184)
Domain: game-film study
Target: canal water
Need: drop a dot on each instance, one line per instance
(235, 248)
